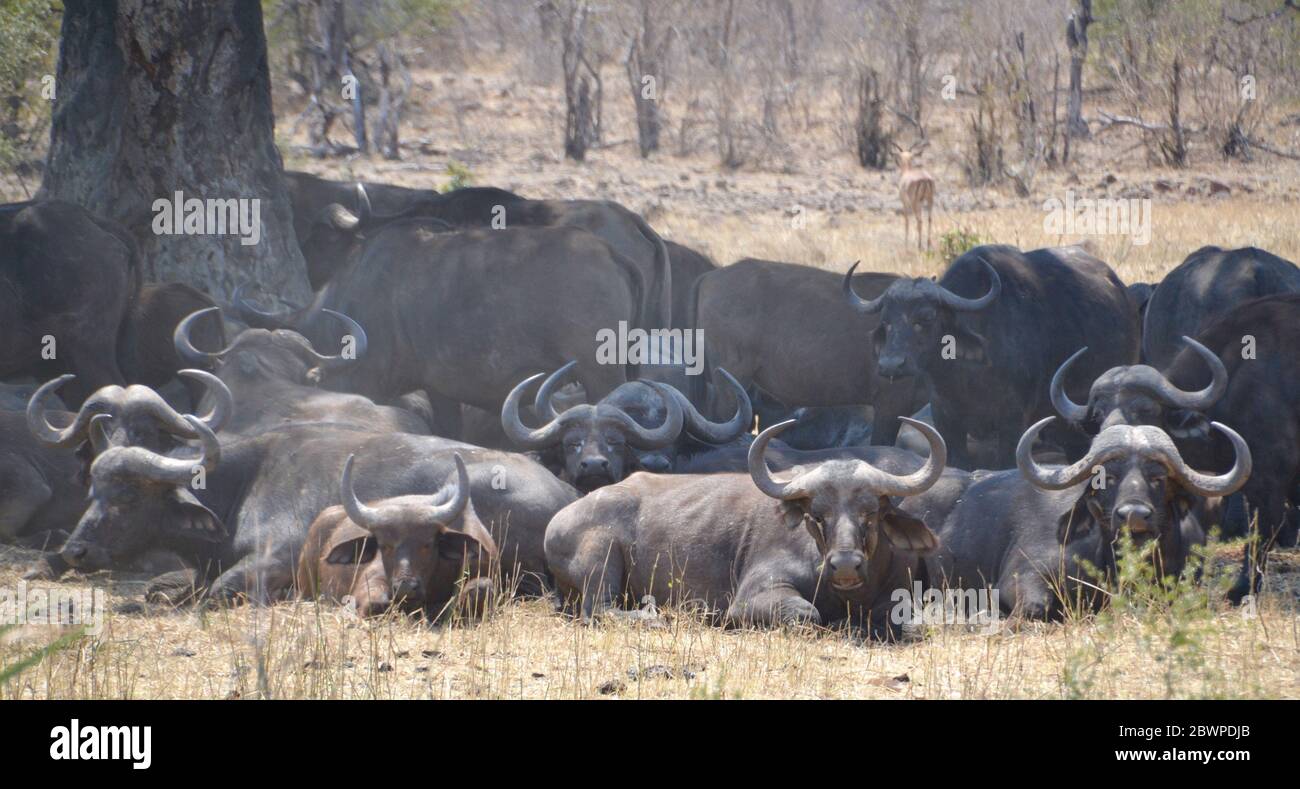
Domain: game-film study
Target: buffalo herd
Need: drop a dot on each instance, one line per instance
(439, 429)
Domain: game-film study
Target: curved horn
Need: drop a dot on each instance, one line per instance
(963, 304)
(758, 470)
(514, 427)
(1222, 484)
(341, 218)
(185, 346)
(1204, 398)
(1064, 405)
(865, 306)
(448, 511)
(363, 204)
(717, 432)
(651, 438)
(223, 402)
(542, 402)
(362, 515)
(1048, 478)
(357, 333)
(252, 315)
(923, 478)
(406, 509)
(141, 462)
(98, 403)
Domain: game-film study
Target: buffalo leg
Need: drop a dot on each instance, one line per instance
(772, 606)
(259, 580)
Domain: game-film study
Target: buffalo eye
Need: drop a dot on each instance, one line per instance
(572, 446)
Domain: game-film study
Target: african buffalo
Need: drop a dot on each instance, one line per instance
(1033, 533)
(1138, 395)
(146, 353)
(67, 281)
(600, 444)
(787, 329)
(687, 266)
(1210, 283)
(273, 375)
(244, 528)
(338, 233)
(40, 492)
(1257, 342)
(989, 334)
(464, 316)
(326, 231)
(428, 553)
(733, 543)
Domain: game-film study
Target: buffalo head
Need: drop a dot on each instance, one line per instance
(139, 417)
(140, 499)
(262, 354)
(915, 314)
(1140, 395)
(1140, 483)
(432, 549)
(846, 506)
(633, 427)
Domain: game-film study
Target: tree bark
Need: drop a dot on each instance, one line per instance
(163, 96)
(1076, 38)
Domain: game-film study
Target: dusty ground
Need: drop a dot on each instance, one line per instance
(507, 133)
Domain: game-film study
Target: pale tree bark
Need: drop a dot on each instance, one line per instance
(160, 96)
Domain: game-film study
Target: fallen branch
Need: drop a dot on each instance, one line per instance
(1252, 142)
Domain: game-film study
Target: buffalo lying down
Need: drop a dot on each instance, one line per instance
(1031, 533)
(829, 543)
(600, 444)
(428, 553)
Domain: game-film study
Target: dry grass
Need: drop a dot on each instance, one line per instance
(305, 650)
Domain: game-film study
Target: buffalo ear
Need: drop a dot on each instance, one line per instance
(905, 532)
(359, 550)
(469, 539)
(971, 346)
(1075, 522)
(192, 519)
(1187, 424)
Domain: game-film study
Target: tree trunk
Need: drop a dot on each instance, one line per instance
(1076, 38)
(158, 97)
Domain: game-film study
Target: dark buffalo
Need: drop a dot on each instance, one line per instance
(427, 553)
(596, 445)
(1210, 283)
(687, 266)
(1257, 343)
(326, 231)
(244, 528)
(274, 376)
(834, 543)
(41, 496)
(788, 330)
(1138, 395)
(1032, 533)
(989, 334)
(1140, 294)
(67, 280)
(146, 352)
(339, 233)
(464, 316)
